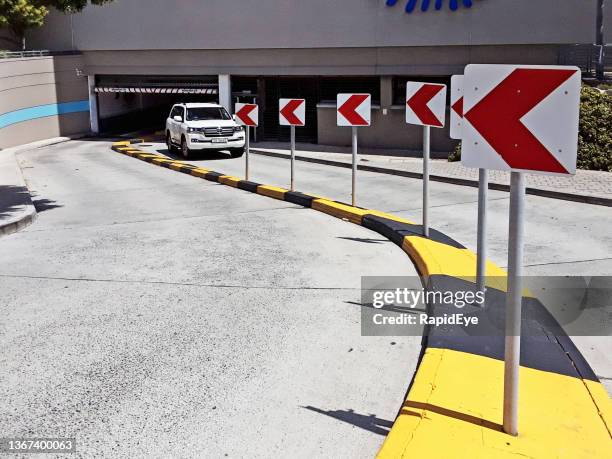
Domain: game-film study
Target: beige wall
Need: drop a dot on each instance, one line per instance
(224, 24)
(31, 82)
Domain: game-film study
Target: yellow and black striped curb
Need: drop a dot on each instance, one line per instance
(454, 406)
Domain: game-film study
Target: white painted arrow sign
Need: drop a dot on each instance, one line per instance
(456, 111)
(425, 104)
(292, 112)
(521, 118)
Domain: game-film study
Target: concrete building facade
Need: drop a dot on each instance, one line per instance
(42, 98)
(134, 51)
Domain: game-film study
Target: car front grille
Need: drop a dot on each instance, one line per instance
(219, 131)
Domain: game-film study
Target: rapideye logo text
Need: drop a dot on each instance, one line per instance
(425, 4)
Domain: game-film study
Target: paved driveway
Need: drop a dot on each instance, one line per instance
(562, 238)
(150, 313)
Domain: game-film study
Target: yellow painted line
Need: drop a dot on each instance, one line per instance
(434, 258)
(271, 191)
(454, 409)
(336, 209)
(229, 180)
(199, 172)
(118, 144)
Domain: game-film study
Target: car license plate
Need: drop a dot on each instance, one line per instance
(219, 140)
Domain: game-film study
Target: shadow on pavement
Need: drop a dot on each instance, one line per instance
(449, 413)
(364, 240)
(197, 156)
(367, 422)
(42, 205)
(13, 198)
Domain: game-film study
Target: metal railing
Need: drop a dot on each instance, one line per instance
(585, 57)
(34, 53)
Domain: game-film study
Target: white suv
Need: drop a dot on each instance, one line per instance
(203, 127)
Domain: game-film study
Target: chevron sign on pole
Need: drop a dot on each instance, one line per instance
(456, 111)
(292, 112)
(425, 104)
(247, 114)
(354, 109)
(521, 118)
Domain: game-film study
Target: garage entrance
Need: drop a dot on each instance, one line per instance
(133, 102)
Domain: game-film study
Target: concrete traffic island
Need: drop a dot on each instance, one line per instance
(454, 404)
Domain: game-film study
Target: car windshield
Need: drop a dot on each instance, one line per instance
(207, 113)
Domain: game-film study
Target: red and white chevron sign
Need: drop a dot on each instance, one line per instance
(456, 111)
(425, 104)
(354, 109)
(247, 114)
(292, 112)
(521, 118)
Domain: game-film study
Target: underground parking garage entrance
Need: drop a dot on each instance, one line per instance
(129, 103)
(133, 102)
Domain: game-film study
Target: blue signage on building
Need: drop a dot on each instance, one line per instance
(425, 4)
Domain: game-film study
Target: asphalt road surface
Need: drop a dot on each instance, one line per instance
(562, 238)
(150, 313)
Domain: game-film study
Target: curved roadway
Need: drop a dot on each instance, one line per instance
(150, 313)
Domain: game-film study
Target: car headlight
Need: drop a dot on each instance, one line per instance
(192, 130)
(238, 129)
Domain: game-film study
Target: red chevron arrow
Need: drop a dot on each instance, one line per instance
(348, 109)
(288, 111)
(418, 103)
(497, 117)
(244, 114)
(458, 107)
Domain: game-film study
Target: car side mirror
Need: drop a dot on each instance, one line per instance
(178, 118)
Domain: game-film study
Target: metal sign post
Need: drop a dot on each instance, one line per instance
(481, 247)
(354, 187)
(456, 132)
(247, 148)
(354, 110)
(292, 112)
(426, 106)
(292, 158)
(517, 118)
(247, 115)
(514, 302)
(426, 154)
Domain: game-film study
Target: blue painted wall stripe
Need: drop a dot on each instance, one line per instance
(42, 111)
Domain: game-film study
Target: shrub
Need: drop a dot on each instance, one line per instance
(595, 135)
(595, 132)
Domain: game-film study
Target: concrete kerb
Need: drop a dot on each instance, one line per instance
(17, 200)
(559, 382)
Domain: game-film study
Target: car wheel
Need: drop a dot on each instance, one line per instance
(236, 152)
(169, 143)
(185, 149)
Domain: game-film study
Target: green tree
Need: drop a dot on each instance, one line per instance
(21, 15)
